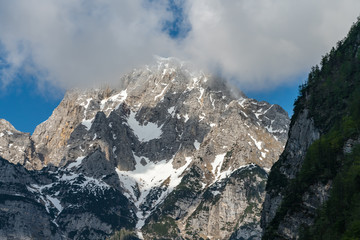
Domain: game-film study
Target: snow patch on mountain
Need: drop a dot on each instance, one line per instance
(56, 203)
(258, 144)
(217, 164)
(48, 200)
(87, 123)
(147, 177)
(197, 144)
(146, 132)
(171, 111)
(201, 95)
(76, 163)
(117, 99)
(161, 94)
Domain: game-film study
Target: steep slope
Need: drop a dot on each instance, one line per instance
(18, 147)
(165, 143)
(19, 208)
(228, 208)
(319, 159)
(59, 204)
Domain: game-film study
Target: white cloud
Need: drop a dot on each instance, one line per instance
(80, 43)
(266, 42)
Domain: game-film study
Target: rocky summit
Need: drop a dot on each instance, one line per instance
(170, 153)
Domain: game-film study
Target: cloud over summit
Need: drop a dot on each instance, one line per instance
(81, 43)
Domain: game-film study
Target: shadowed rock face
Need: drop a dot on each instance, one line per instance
(138, 143)
(302, 134)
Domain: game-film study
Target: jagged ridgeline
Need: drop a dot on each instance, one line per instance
(313, 191)
(172, 153)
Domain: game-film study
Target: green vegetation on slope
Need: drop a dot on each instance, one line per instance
(333, 90)
(332, 96)
(124, 234)
(339, 218)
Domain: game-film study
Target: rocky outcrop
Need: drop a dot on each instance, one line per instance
(143, 143)
(302, 134)
(234, 203)
(59, 204)
(18, 147)
(22, 216)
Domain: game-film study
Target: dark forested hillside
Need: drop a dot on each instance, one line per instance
(315, 194)
(332, 92)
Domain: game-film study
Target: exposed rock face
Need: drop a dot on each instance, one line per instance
(302, 134)
(18, 147)
(230, 204)
(22, 217)
(171, 145)
(59, 205)
(51, 137)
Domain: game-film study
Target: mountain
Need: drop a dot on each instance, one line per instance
(313, 191)
(170, 153)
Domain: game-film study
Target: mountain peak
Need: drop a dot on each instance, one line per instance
(164, 123)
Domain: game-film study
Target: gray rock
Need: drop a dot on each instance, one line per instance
(302, 134)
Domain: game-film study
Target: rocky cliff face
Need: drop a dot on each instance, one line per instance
(302, 134)
(61, 204)
(170, 146)
(18, 147)
(229, 208)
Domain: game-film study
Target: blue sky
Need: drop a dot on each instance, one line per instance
(267, 46)
(25, 107)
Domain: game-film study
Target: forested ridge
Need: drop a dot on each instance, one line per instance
(331, 95)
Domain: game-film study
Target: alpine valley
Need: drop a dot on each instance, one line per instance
(171, 153)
